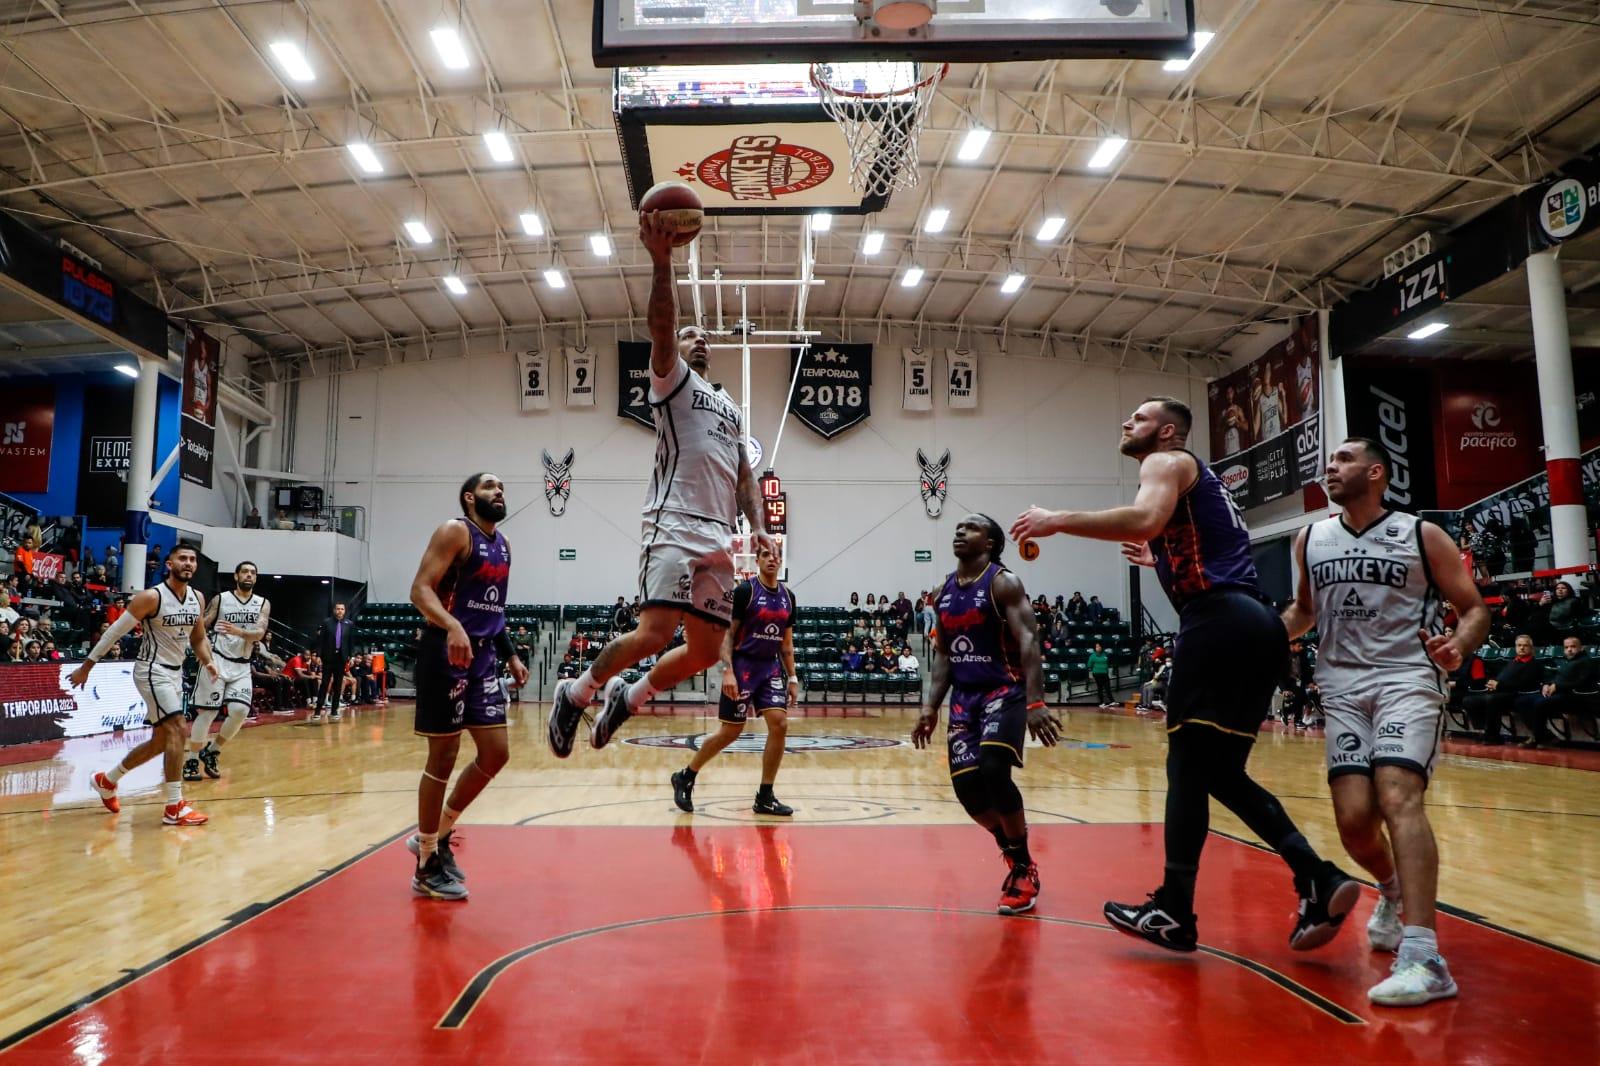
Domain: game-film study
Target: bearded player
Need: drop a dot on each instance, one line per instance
(236, 621)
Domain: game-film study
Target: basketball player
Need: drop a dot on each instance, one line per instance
(1230, 652)
(172, 613)
(701, 478)
(460, 588)
(1306, 381)
(1272, 405)
(1234, 423)
(236, 621)
(1368, 579)
(986, 655)
(757, 657)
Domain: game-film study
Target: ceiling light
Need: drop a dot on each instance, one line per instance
(1012, 283)
(553, 278)
(124, 368)
(1427, 331)
(1201, 39)
(418, 232)
(452, 50)
(499, 146)
(600, 244)
(365, 157)
(972, 147)
(911, 278)
(872, 243)
(455, 285)
(292, 60)
(936, 220)
(531, 225)
(1109, 149)
(1050, 228)
(821, 222)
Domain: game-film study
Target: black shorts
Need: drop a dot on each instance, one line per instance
(1230, 653)
(450, 699)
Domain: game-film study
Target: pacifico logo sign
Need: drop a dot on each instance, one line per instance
(762, 168)
(1486, 433)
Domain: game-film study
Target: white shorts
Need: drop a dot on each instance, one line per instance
(162, 689)
(1384, 725)
(687, 563)
(231, 686)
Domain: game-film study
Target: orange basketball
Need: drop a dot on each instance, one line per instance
(1029, 550)
(679, 205)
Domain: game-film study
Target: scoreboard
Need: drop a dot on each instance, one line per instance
(774, 503)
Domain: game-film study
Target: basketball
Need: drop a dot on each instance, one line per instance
(681, 207)
(1029, 550)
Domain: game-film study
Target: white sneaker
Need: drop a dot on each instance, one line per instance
(1384, 928)
(1413, 982)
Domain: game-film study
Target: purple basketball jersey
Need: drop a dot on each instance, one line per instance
(766, 616)
(983, 654)
(1205, 544)
(473, 590)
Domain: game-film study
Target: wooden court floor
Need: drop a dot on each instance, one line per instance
(113, 950)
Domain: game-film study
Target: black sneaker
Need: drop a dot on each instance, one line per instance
(446, 853)
(1151, 921)
(565, 713)
(208, 759)
(1324, 902)
(769, 804)
(336, 716)
(191, 768)
(613, 714)
(434, 881)
(683, 791)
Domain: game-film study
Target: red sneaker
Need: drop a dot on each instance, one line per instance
(1021, 890)
(181, 813)
(107, 793)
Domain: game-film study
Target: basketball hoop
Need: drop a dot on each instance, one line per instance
(881, 108)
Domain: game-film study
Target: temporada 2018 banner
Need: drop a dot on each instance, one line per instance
(1266, 426)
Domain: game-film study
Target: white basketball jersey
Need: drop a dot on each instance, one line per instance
(1373, 594)
(243, 613)
(697, 449)
(1271, 414)
(166, 633)
(1231, 441)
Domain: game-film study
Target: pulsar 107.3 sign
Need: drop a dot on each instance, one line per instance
(833, 387)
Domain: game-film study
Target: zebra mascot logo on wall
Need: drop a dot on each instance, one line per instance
(933, 485)
(557, 482)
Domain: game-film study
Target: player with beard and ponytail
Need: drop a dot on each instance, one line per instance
(460, 588)
(987, 657)
(236, 621)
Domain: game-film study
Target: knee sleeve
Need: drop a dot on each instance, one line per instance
(237, 713)
(973, 793)
(994, 766)
(203, 718)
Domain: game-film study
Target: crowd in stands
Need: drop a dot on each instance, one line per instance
(57, 618)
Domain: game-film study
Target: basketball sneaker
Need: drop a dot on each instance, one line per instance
(767, 803)
(208, 759)
(432, 880)
(683, 791)
(565, 713)
(446, 853)
(613, 713)
(336, 716)
(191, 768)
(181, 813)
(1021, 889)
(107, 792)
(1414, 981)
(1152, 921)
(1384, 928)
(1325, 899)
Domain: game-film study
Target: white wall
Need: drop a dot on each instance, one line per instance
(1046, 431)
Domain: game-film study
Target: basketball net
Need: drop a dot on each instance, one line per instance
(880, 107)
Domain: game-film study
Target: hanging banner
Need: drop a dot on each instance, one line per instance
(105, 453)
(580, 377)
(963, 378)
(198, 436)
(917, 379)
(533, 380)
(27, 425)
(1560, 210)
(834, 388)
(633, 382)
(1266, 432)
(1394, 406)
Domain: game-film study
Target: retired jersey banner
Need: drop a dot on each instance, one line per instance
(27, 425)
(833, 389)
(580, 377)
(202, 364)
(633, 382)
(963, 377)
(1266, 433)
(533, 380)
(917, 375)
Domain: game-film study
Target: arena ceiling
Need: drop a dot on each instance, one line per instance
(1270, 177)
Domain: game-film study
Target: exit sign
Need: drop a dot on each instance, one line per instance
(567, 555)
(922, 555)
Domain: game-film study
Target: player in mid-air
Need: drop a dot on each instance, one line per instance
(987, 658)
(172, 616)
(1371, 581)
(757, 675)
(1230, 652)
(236, 621)
(460, 588)
(701, 480)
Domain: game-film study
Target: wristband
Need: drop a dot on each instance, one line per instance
(794, 679)
(1036, 703)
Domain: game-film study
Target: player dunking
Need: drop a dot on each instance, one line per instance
(236, 621)
(757, 674)
(460, 588)
(701, 478)
(171, 613)
(1230, 652)
(987, 658)
(1371, 582)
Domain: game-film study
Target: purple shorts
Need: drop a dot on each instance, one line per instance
(450, 699)
(762, 686)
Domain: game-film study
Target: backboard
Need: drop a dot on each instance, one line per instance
(680, 32)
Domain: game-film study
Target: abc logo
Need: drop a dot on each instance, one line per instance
(961, 645)
(1347, 742)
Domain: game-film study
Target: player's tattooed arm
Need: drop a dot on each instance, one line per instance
(201, 643)
(1301, 614)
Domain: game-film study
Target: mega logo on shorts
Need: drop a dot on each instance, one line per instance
(1347, 741)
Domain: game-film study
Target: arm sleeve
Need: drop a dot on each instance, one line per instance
(794, 608)
(502, 646)
(741, 600)
(119, 629)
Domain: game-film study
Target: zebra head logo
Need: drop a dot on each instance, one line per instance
(933, 485)
(557, 482)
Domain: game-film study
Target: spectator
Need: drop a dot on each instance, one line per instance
(1077, 609)
(1468, 677)
(908, 663)
(1489, 547)
(1561, 616)
(8, 613)
(283, 521)
(34, 652)
(1096, 612)
(855, 601)
(5, 637)
(872, 604)
(1518, 677)
(879, 632)
(930, 615)
(1575, 675)
(113, 566)
(1100, 670)
(1153, 693)
(620, 616)
(22, 562)
(253, 520)
(152, 566)
(51, 653)
(15, 654)
(888, 659)
(302, 682)
(522, 642)
(852, 656)
(569, 666)
(267, 675)
(1297, 689)
(1523, 542)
